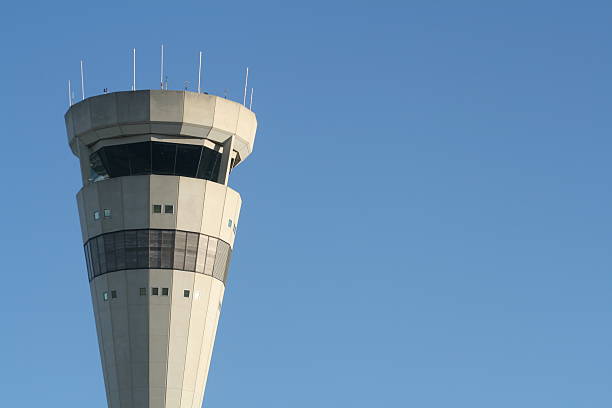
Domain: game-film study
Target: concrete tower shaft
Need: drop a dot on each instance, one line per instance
(158, 223)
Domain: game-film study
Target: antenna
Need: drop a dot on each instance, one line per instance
(246, 82)
(134, 70)
(200, 72)
(161, 76)
(69, 94)
(82, 82)
(251, 103)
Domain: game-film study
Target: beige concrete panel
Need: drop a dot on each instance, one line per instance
(82, 216)
(103, 110)
(135, 129)
(90, 199)
(214, 201)
(138, 315)
(94, 300)
(120, 328)
(110, 197)
(157, 397)
(226, 115)
(106, 330)
(159, 327)
(140, 398)
(247, 125)
(166, 106)
(164, 190)
(187, 399)
(173, 398)
(226, 232)
(190, 204)
(212, 317)
(132, 107)
(81, 117)
(70, 132)
(179, 327)
(136, 206)
(195, 131)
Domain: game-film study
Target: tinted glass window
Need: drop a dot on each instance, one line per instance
(187, 160)
(164, 158)
(159, 249)
(155, 158)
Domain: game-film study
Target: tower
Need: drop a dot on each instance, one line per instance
(158, 222)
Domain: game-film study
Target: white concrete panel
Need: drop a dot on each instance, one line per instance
(117, 281)
(90, 199)
(94, 300)
(157, 397)
(179, 327)
(226, 232)
(186, 399)
(190, 204)
(81, 117)
(82, 216)
(138, 315)
(247, 124)
(159, 327)
(164, 190)
(214, 201)
(103, 111)
(226, 115)
(132, 107)
(173, 398)
(111, 198)
(199, 109)
(166, 106)
(135, 193)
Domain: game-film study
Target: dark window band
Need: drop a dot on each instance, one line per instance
(155, 158)
(157, 249)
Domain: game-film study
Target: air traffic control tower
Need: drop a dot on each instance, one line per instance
(158, 222)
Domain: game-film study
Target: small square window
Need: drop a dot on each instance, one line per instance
(143, 291)
(96, 215)
(157, 208)
(164, 291)
(186, 293)
(154, 291)
(113, 294)
(105, 296)
(229, 223)
(107, 212)
(168, 209)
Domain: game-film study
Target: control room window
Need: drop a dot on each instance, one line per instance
(154, 291)
(107, 212)
(143, 291)
(113, 294)
(157, 208)
(96, 215)
(186, 293)
(168, 209)
(164, 291)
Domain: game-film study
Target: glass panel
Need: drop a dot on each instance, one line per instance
(88, 262)
(167, 249)
(93, 247)
(164, 157)
(179, 249)
(131, 249)
(210, 256)
(164, 291)
(143, 248)
(155, 243)
(155, 291)
(109, 250)
(140, 158)
(201, 259)
(119, 250)
(191, 251)
(227, 264)
(101, 255)
(186, 293)
(96, 171)
(187, 158)
(220, 260)
(168, 209)
(157, 208)
(209, 165)
(116, 160)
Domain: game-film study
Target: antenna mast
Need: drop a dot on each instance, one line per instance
(161, 76)
(246, 82)
(69, 94)
(251, 103)
(82, 83)
(134, 70)
(200, 72)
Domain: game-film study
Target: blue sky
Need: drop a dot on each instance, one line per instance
(426, 217)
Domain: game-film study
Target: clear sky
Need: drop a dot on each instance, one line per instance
(427, 213)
